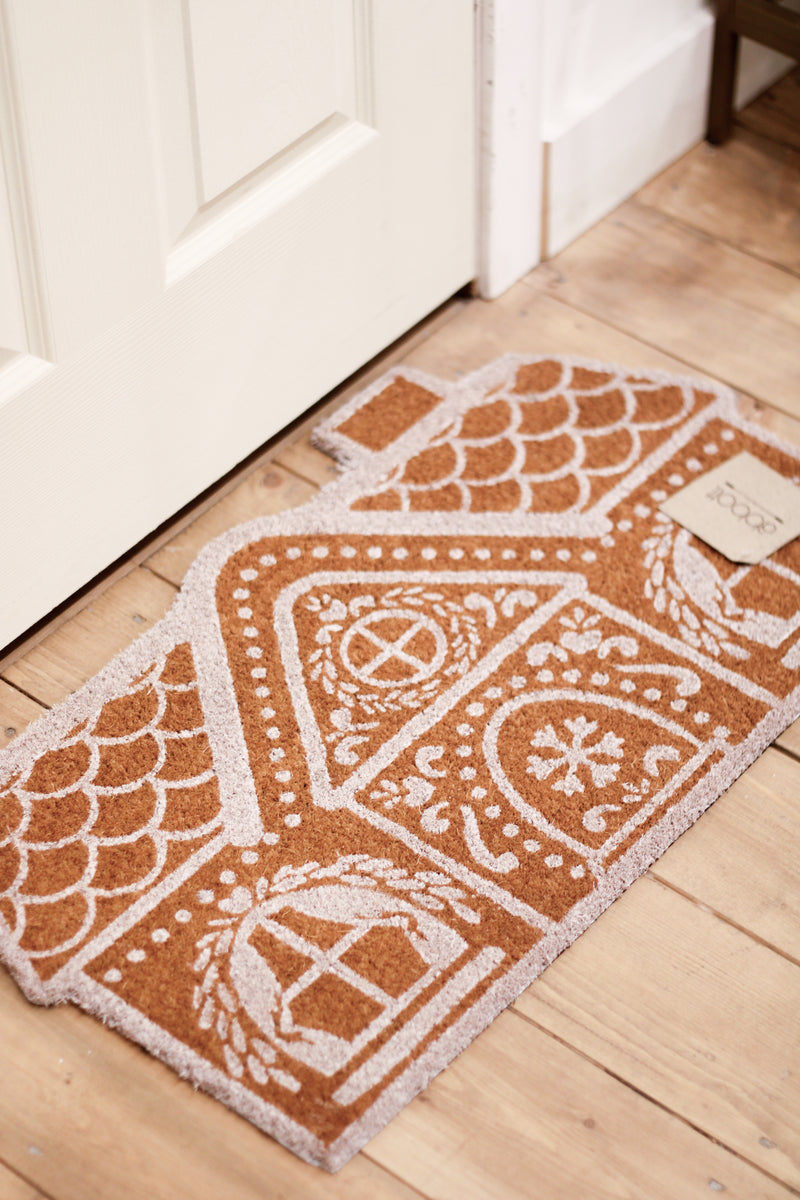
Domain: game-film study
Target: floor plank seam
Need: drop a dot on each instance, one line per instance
(691, 367)
(792, 754)
(776, 141)
(305, 478)
(394, 1175)
(296, 475)
(41, 1194)
(153, 571)
(701, 904)
(656, 1102)
(147, 566)
(684, 363)
(718, 239)
(759, 406)
(23, 692)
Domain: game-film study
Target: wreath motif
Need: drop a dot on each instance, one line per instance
(668, 597)
(214, 999)
(459, 624)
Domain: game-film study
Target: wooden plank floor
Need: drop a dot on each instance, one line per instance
(659, 1056)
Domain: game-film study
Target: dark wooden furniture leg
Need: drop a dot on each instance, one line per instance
(723, 75)
(768, 23)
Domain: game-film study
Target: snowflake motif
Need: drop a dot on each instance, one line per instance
(575, 754)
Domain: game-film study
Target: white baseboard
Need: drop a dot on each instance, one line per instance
(655, 116)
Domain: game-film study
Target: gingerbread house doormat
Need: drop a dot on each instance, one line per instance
(391, 752)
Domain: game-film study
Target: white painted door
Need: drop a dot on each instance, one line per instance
(212, 213)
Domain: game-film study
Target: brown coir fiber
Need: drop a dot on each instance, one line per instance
(391, 752)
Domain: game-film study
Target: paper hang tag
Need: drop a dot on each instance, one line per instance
(742, 508)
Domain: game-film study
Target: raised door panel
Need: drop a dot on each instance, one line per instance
(13, 336)
(241, 268)
(82, 177)
(265, 82)
(254, 111)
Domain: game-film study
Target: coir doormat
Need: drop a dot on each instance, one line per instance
(391, 752)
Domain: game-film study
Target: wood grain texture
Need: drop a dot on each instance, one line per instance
(16, 711)
(527, 320)
(77, 650)
(106, 1120)
(689, 1010)
(741, 859)
(14, 1187)
(711, 305)
(519, 1115)
(776, 114)
(790, 739)
(267, 491)
(309, 463)
(777, 422)
(746, 193)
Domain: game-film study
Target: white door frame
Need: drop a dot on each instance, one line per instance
(540, 187)
(510, 155)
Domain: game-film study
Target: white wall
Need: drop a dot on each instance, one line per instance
(624, 93)
(591, 46)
